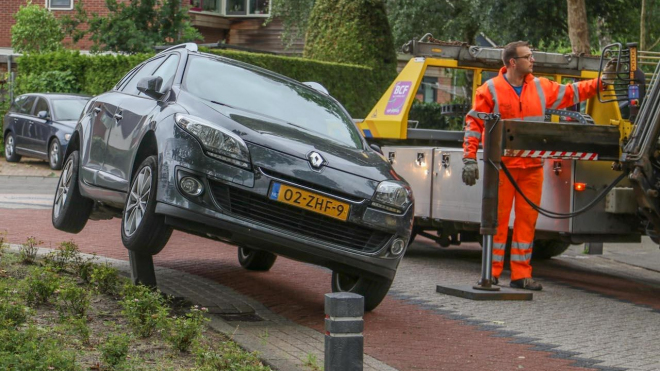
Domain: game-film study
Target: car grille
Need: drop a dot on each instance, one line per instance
(263, 210)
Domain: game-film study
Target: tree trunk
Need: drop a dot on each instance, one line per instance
(642, 27)
(578, 28)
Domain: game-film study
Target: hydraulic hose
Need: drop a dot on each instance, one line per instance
(556, 215)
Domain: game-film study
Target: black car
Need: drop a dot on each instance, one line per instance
(40, 125)
(225, 150)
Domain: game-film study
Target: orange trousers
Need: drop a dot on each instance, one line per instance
(530, 181)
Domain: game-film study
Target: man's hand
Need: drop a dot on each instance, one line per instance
(470, 171)
(609, 72)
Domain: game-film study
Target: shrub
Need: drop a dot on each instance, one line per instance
(229, 357)
(41, 285)
(28, 250)
(105, 279)
(33, 349)
(144, 309)
(181, 332)
(429, 116)
(115, 349)
(36, 30)
(13, 312)
(64, 256)
(72, 300)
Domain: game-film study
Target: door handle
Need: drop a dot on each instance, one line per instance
(118, 116)
(97, 109)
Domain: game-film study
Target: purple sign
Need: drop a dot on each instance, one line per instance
(398, 97)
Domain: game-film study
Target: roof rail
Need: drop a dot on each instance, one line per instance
(188, 46)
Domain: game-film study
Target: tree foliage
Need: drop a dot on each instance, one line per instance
(36, 30)
(132, 27)
(295, 16)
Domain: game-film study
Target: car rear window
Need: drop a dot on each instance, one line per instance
(259, 92)
(67, 109)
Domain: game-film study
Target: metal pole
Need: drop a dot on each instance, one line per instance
(492, 158)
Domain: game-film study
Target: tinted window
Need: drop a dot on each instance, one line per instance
(146, 70)
(18, 102)
(42, 105)
(68, 109)
(25, 106)
(294, 105)
(167, 70)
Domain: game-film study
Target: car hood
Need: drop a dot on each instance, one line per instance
(295, 141)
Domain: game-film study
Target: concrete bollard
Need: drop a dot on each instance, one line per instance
(344, 341)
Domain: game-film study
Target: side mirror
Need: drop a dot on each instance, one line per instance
(42, 114)
(150, 86)
(376, 148)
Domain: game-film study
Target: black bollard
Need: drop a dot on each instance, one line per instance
(344, 342)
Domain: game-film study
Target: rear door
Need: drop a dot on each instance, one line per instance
(20, 117)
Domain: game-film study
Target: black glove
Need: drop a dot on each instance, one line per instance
(470, 171)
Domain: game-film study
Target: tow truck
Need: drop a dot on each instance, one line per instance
(601, 167)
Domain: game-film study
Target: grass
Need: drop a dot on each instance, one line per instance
(61, 312)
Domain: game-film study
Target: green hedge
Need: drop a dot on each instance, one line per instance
(430, 116)
(354, 86)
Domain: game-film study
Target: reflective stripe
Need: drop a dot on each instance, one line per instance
(493, 94)
(576, 93)
(521, 246)
(541, 93)
(560, 96)
(473, 134)
(498, 258)
(473, 113)
(499, 246)
(521, 257)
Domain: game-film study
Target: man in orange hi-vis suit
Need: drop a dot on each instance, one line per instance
(516, 94)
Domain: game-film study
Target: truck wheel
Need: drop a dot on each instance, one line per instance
(546, 249)
(70, 209)
(142, 230)
(374, 291)
(255, 260)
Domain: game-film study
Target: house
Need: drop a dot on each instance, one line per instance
(234, 22)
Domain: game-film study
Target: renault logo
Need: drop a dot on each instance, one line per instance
(316, 160)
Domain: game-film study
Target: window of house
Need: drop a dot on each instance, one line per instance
(205, 5)
(259, 7)
(236, 7)
(60, 4)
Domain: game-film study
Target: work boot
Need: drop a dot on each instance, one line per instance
(496, 281)
(527, 284)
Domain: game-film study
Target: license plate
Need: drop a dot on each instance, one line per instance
(309, 201)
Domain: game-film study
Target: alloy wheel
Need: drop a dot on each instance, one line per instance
(9, 147)
(137, 201)
(63, 188)
(54, 153)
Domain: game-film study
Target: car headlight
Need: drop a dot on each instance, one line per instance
(217, 141)
(392, 196)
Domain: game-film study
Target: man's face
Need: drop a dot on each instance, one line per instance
(524, 61)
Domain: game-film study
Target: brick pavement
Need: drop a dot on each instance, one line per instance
(412, 330)
(584, 319)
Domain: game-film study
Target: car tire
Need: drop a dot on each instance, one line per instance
(55, 154)
(70, 209)
(10, 149)
(142, 230)
(546, 249)
(374, 291)
(255, 260)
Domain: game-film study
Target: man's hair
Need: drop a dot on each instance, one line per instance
(511, 50)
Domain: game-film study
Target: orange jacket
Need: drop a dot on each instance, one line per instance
(538, 94)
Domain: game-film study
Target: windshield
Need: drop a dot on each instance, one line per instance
(67, 109)
(249, 90)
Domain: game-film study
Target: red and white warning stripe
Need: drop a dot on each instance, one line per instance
(587, 156)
